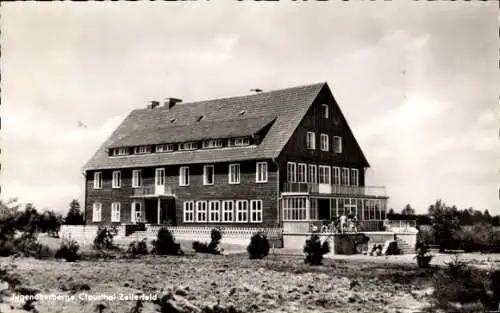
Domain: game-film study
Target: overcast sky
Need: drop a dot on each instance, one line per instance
(417, 81)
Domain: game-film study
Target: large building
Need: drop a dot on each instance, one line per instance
(279, 158)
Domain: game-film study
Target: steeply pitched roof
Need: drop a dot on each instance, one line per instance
(286, 106)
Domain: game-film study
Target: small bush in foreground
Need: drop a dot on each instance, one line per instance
(104, 237)
(258, 247)
(213, 247)
(68, 250)
(314, 250)
(165, 243)
(136, 248)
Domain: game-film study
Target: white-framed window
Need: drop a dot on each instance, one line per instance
(291, 168)
(337, 144)
(115, 212)
(324, 110)
(96, 212)
(234, 173)
(208, 175)
(214, 211)
(345, 176)
(256, 211)
(136, 212)
(188, 146)
(136, 178)
(301, 172)
(188, 211)
(354, 177)
(184, 176)
(165, 148)
(97, 180)
(294, 209)
(261, 172)
(312, 174)
(235, 142)
(241, 211)
(213, 143)
(120, 151)
(336, 175)
(201, 211)
(324, 174)
(142, 149)
(310, 140)
(325, 146)
(227, 211)
(160, 177)
(117, 179)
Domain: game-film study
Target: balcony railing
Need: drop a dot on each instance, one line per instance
(152, 191)
(373, 191)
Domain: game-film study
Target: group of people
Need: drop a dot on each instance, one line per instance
(342, 224)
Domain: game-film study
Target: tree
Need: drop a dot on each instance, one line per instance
(391, 211)
(408, 210)
(445, 223)
(50, 223)
(75, 215)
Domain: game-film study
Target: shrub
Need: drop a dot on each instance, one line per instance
(213, 247)
(165, 243)
(68, 250)
(136, 248)
(314, 250)
(104, 237)
(258, 247)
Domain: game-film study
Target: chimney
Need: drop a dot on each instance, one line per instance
(170, 102)
(154, 104)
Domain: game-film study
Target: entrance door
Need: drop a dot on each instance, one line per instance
(160, 181)
(136, 212)
(324, 209)
(151, 211)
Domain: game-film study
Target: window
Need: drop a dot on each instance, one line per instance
(136, 214)
(345, 176)
(214, 211)
(261, 172)
(227, 211)
(208, 175)
(324, 142)
(208, 144)
(136, 178)
(234, 142)
(188, 211)
(301, 173)
(115, 212)
(97, 180)
(241, 211)
(142, 149)
(165, 148)
(324, 174)
(310, 140)
(234, 173)
(120, 151)
(256, 211)
(324, 110)
(336, 175)
(160, 177)
(294, 209)
(337, 144)
(292, 172)
(201, 211)
(312, 174)
(184, 176)
(188, 146)
(354, 177)
(117, 179)
(96, 212)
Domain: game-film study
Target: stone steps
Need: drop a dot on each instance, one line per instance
(404, 247)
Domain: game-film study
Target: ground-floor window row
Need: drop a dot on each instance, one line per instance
(304, 208)
(223, 211)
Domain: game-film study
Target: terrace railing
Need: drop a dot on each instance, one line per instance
(311, 188)
(152, 191)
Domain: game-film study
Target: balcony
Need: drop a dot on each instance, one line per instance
(153, 191)
(328, 189)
